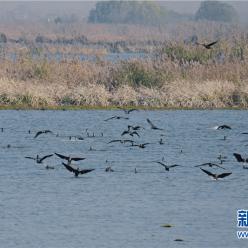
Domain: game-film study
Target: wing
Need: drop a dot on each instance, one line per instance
(131, 141)
(135, 133)
(161, 163)
(31, 158)
(208, 172)
(224, 175)
(37, 134)
(125, 132)
(112, 141)
(110, 118)
(131, 110)
(174, 165)
(146, 144)
(77, 159)
(84, 171)
(68, 167)
(62, 156)
(211, 44)
(47, 131)
(150, 123)
(238, 157)
(47, 156)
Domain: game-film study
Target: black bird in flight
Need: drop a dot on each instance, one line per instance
(135, 128)
(68, 158)
(216, 176)
(167, 167)
(240, 158)
(76, 171)
(210, 165)
(121, 141)
(128, 111)
(41, 132)
(117, 118)
(223, 127)
(39, 159)
(207, 46)
(131, 133)
(141, 145)
(152, 125)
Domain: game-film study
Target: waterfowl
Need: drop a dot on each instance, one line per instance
(109, 169)
(39, 159)
(128, 111)
(42, 132)
(135, 128)
(167, 167)
(207, 46)
(117, 118)
(223, 127)
(68, 158)
(239, 158)
(141, 145)
(210, 165)
(131, 133)
(152, 125)
(216, 176)
(76, 171)
(121, 141)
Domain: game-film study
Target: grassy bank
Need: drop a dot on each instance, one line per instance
(176, 76)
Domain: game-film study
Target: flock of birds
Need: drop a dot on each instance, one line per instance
(127, 137)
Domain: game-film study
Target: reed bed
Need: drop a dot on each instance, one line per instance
(176, 75)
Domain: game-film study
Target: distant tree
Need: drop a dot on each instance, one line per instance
(216, 11)
(133, 12)
(3, 38)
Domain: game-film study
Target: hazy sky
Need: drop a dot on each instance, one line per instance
(82, 8)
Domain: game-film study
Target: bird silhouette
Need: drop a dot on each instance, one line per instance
(167, 167)
(117, 118)
(152, 125)
(41, 132)
(223, 127)
(216, 176)
(239, 158)
(128, 111)
(75, 170)
(207, 46)
(210, 165)
(38, 159)
(68, 158)
(141, 145)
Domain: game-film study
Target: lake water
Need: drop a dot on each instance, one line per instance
(52, 208)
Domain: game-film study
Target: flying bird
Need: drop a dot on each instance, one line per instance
(152, 125)
(223, 127)
(167, 167)
(131, 133)
(117, 118)
(128, 111)
(76, 171)
(210, 165)
(216, 176)
(141, 145)
(239, 158)
(135, 128)
(121, 141)
(38, 159)
(42, 132)
(207, 46)
(68, 158)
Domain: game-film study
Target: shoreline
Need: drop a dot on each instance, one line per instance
(108, 108)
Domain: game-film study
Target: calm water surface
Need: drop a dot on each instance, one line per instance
(51, 208)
